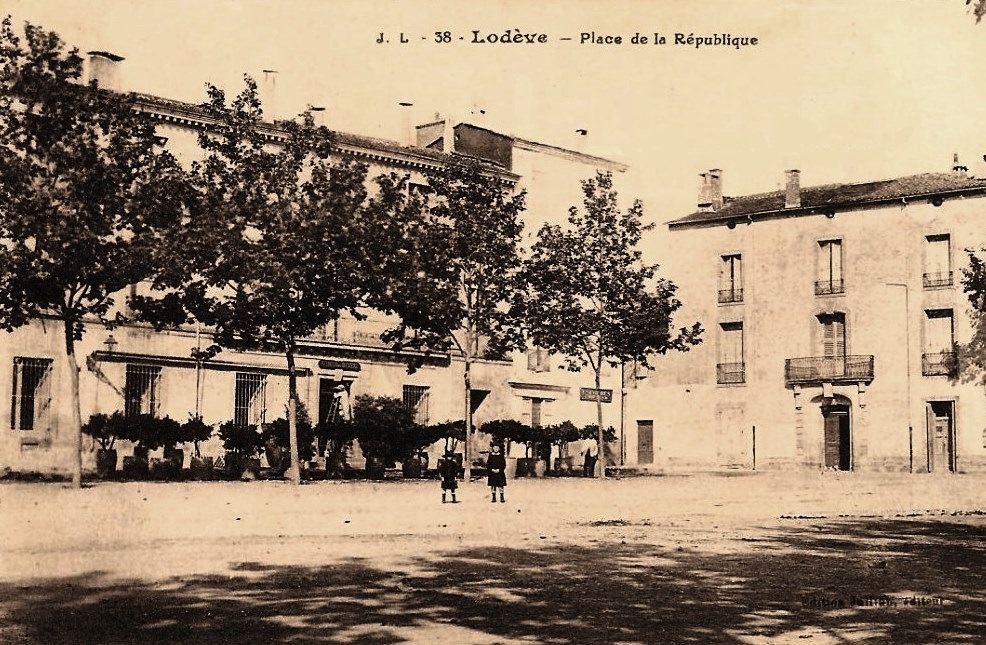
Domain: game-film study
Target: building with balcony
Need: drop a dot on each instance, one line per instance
(132, 368)
(834, 324)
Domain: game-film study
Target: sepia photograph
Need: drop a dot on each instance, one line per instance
(416, 321)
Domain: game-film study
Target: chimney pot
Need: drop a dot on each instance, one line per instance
(792, 189)
(958, 168)
(104, 70)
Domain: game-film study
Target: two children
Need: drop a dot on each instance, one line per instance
(448, 472)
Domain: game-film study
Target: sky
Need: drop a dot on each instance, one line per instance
(843, 90)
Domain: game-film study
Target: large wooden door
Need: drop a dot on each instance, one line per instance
(941, 437)
(645, 442)
(838, 440)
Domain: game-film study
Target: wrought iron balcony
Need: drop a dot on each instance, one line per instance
(829, 287)
(730, 373)
(730, 295)
(940, 364)
(939, 279)
(828, 369)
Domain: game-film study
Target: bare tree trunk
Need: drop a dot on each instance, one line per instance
(72, 365)
(294, 470)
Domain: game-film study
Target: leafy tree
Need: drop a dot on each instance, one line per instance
(277, 245)
(973, 363)
(85, 194)
(453, 278)
(383, 425)
(978, 8)
(590, 297)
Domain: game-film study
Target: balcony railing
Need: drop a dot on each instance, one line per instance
(829, 287)
(730, 295)
(829, 369)
(939, 279)
(729, 373)
(940, 364)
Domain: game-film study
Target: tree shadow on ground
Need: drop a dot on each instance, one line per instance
(818, 582)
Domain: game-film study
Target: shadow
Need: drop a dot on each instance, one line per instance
(821, 582)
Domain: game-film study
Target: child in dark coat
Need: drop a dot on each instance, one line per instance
(497, 477)
(448, 471)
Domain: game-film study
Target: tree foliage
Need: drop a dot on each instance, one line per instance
(972, 355)
(590, 297)
(85, 193)
(978, 8)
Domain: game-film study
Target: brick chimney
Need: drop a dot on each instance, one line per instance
(792, 189)
(408, 134)
(268, 95)
(715, 188)
(448, 135)
(704, 193)
(104, 70)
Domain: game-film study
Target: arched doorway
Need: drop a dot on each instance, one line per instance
(837, 432)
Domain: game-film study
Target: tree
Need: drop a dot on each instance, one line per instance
(85, 194)
(973, 361)
(590, 297)
(453, 279)
(978, 8)
(276, 246)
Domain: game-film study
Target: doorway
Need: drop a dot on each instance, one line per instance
(645, 442)
(941, 436)
(838, 437)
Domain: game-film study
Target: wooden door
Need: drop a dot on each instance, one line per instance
(645, 442)
(941, 440)
(832, 441)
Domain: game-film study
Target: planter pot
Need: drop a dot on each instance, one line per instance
(335, 466)
(200, 468)
(251, 469)
(525, 467)
(175, 460)
(136, 466)
(278, 459)
(413, 467)
(106, 463)
(375, 468)
(240, 467)
(540, 467)
(564, 465)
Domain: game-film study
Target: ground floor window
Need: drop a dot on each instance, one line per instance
(250, 399)
(31, 404)
(141, 392)
(416, 400)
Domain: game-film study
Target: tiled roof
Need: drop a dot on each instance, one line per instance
(837, 197)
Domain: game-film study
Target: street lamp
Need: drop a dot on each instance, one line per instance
(907, 357)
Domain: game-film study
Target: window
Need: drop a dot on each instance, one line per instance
(731, 368)
(250, 399)
(416, 400)
(731, 279)
(31, 405)
(938, 261)
(939, 356)
(833, 335)
(829, 268)
(538, 360)
(141, 394)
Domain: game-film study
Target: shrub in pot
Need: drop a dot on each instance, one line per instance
(148, 432)
(277, 441)
(335, 439)
(104, 429)
(243, 444)
(381, 425)
(195, 431)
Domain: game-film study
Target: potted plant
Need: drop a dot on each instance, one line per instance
(277, 442)
(243, 444)
(560, 435)
(380, 425)
(148, 433)
(335, 440)
(195, 431)
(104, 430)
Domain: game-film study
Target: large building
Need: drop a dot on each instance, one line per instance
(834, 324)
(134, 369)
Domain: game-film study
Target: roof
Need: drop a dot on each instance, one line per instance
(832, 197)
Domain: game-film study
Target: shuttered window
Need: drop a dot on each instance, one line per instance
(833, 335)
(538, 360)
(31, 401)
(731, 278)
(829, 268)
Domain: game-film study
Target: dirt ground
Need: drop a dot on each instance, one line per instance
(813, 558)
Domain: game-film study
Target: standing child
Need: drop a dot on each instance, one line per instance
(448, 471)
(497, 466)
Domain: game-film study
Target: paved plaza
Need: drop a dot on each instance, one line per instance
(746, 558)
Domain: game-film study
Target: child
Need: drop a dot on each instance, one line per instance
(497, 477)
(448, 471)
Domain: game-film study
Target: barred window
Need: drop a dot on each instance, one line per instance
(31, 404)
(250, 401)
(416, 400)
(142, 391)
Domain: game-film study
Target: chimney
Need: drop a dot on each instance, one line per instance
(268, 95)
(318, 114)
(104, 70)
(704, 193)
(958, 168)
(408, 134)
(792, 189)
(715, 188)
(448, 135)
